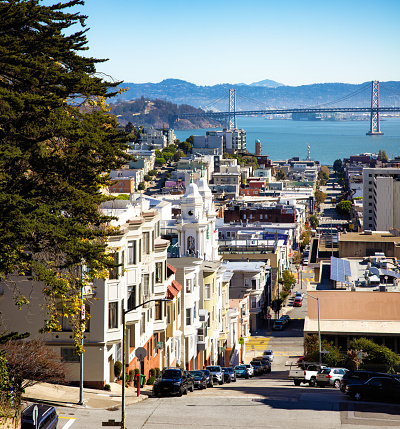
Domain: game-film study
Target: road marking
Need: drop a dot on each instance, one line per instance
(70, 423)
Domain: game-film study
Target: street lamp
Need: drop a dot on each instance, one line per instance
(319, 327)
(124, 312)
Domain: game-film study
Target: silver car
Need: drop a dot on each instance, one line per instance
(330, 377)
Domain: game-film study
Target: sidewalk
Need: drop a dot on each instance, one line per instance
(68, 396)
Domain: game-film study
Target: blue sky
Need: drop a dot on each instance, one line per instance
(206, 42)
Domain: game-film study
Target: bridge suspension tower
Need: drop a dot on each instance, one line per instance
(374, 128)
(232, 109)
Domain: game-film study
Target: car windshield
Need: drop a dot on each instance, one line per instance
(325, 371)
(196, 373)
(172, 373)
(240, 367)
(268, 352)
(214, 368)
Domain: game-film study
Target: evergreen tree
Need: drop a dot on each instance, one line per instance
(57, 145)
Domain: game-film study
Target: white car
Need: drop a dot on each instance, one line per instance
(268, 355)
(249, 369)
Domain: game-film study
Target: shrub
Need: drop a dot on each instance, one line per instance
(147, 177)
(151, 380)
(152, 372)
(131, 375)
(157, 371)
(117, 368)
(141, 186)
(107, 387)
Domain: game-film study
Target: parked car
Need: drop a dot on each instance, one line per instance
(381, 388)
(258, 368)
(190, 379)
(278, 325)
(171, 380)
(285, 319)
(330, 377)
(268, 355)
(299, 295)
(232, 373)
(266, 366)
(47, 417)
(216, 372)
(200, 379)
(210, 381)
(250, 369)
(359, 377)
(298, 302)
(227, 375)
(241, 371)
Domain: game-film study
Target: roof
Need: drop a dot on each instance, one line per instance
(171, 268)
(244, 266)
(375, 236)
(173, 289)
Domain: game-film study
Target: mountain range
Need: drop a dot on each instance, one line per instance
(261, 95)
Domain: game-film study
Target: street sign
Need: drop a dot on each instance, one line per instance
(241, 340)
(140, 353)
(269, 316)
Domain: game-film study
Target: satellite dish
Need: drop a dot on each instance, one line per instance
(140, 353)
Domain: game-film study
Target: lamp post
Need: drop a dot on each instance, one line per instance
(319, 327)
(124, 312)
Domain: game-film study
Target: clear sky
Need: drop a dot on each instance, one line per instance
(206, 42)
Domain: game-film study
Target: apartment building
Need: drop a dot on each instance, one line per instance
(381, 199)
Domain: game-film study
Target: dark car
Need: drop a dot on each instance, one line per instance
(359, 377)
(210, 381)
(258, 367)
(232, 373)
(199, 378)
(380, 388)
(47, 417)
(227, 375)
(285, 319)
(171, 381)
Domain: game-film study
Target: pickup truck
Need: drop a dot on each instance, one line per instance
(304, 373)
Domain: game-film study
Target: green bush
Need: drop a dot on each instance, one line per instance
(147, 177)
(107, 387)
(152, 372)
(151, 380)
(157, 371)
(131, 375)
(141, 186)
(152, 173)
(117, 368)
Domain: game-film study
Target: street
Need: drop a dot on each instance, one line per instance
(269, 401)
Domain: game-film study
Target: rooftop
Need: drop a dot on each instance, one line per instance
(375, 236)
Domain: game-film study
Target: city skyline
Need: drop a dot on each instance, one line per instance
(291, 43)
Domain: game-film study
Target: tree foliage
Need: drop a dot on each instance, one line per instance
(314, 221)
(320, 197)
(32, 362)
(311, 349)
(58, 143)
(382, 155)
(280, 175)
(344, 208)
(338, 165)
(287, 280)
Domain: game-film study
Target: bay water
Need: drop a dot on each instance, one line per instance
(283, 139)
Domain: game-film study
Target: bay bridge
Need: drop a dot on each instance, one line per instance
(374, 110)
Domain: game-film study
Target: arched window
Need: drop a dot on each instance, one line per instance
(191, 245)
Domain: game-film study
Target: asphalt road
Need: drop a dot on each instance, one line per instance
(270, 401)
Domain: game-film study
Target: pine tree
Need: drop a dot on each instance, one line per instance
(57, 145)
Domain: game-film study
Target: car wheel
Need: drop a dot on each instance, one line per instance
(336, 384)
(220, 382)
(246, 376)
(312, 382)
(180, 393)
(357, 396)
(185, 392)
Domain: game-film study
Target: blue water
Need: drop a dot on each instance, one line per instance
(282, 139)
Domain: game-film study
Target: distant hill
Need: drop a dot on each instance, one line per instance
(260, 94)
(158, 114)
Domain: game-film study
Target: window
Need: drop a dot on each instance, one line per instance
(140, 250)
(112, 315)
(188, 316)
(253, 302)
(159, 277)
(195, 310)
(132, 252)
(174, 312)
(207, 291)
(146, 285)
(63, 320)
(113, 272)
(69, 355)
(168, 314)
(143, 324)
(158, 310)
(189, 285)
(146, 243)
(254, 284)
(131, 297)
(246, 283)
